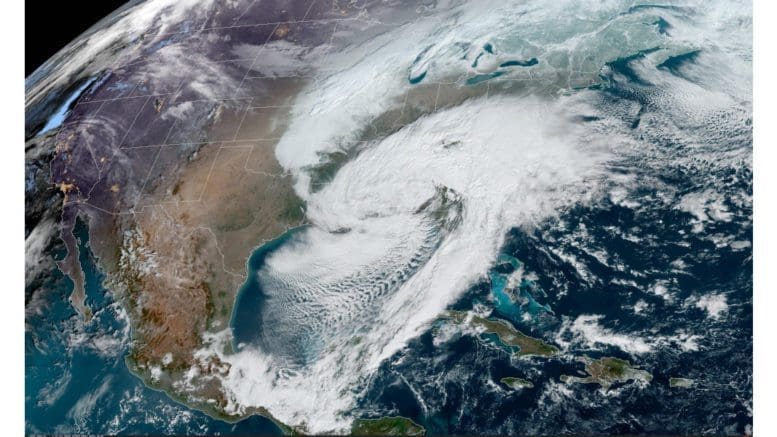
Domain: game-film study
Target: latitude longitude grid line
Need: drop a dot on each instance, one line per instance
(145, 58)
(247, 144)
(237, 129)
(245, 112)
(221, 145)
(153, 164)
(242, 119)
(91, 153)
(115, 149)
(313, 2)
(245, 11)
(259, 52)
(314, 76)
(142, 59)
(250, 144)
(276, 24)
(304, 20)
(207, 178)
(100, 169)
(134, 209)
(213, 164)
(254, 60)
(148, 97)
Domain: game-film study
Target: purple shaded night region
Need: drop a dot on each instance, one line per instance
(131, 106)
(168, 155)
(198, 82)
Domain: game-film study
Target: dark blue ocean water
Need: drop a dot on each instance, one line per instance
(614, 255)
(72, 386)
(457, 378)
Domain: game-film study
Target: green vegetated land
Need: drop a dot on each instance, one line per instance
(607, 371)
(516, 383)
(386, 426)
(506, 333)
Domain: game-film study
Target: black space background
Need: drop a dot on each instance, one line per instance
(50, 25)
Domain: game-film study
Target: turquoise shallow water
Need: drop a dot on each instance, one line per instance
(71, 386)
(520, 302)
(607, 274)
(246, 314)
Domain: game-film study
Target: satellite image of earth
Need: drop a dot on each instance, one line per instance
(392, 217)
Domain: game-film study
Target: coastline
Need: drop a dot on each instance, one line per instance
(244, 297)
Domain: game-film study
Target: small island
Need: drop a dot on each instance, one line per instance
(681, 382)
(516, 383)
(607, 371)
(396, 425)
(505, 332)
